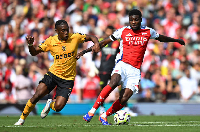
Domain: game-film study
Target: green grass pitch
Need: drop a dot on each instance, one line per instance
(59, 123)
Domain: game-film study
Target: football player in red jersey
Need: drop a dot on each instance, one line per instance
(133, 44)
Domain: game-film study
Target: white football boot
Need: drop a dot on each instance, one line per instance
(46, 109)
(20, 122)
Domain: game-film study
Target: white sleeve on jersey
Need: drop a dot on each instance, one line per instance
(153, 33)
(117, 34)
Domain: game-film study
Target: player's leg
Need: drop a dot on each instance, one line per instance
(63, 91)
(59, 104)
(126, 108)
(56, 105)
(115, 79)
(130, 77)
(104, 78)
(62, 96)
(125, 94)
(41, 91)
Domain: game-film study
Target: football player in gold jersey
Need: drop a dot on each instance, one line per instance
(63, 47)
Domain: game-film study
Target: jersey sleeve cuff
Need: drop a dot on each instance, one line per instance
(112, 38)
(157, 35)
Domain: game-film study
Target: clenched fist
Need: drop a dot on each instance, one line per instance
(30, 40)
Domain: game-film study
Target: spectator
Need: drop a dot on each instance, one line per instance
(147, 87)
(23, 86)
(169, 63)
(91, 86)
(188, 87)
(178, 73)
(3, 57)
(9, 72)
(195, 72)
(8, 95)
(5, 47)
(194, 55)
(172, 87)
(1, 78)
(192, 29)
(76, 94)
(169, 23)
(160, 88)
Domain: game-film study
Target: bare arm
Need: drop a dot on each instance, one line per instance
(33, 51)
(163, 38)
(96, 47)
(102, 44)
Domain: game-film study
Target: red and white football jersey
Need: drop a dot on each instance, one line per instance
(133, 44)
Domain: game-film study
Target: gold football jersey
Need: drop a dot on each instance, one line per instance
(64, 53)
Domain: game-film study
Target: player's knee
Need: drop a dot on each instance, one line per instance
(113, 83)
(58, 107)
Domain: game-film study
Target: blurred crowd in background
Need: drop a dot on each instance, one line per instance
(170, 72)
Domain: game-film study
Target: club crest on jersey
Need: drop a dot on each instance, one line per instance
(129, 34)
(64, 48)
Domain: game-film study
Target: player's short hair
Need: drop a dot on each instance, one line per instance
(135, 12)
(60, 22)
(110, 27)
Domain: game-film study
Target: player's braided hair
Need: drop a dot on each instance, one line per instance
(60, 22)
(135, 12)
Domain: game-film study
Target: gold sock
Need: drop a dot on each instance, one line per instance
(52, 105)
(28, 108)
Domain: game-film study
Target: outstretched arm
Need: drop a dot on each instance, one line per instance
(163, 38)
(33, 51)
(102, 44)
(96, 47)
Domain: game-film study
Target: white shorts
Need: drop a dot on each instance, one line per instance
(130, 76)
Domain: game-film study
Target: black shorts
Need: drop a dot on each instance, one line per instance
(64, 87)
(104, 78)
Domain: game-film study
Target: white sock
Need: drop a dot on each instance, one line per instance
(93, 110)
(104, 115)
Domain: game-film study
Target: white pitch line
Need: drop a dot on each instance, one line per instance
(18, 126)
(165, 122)
(166, 125)
(130, 124)
(110, 125)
